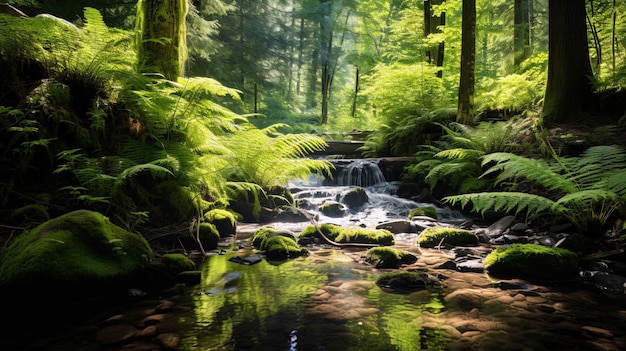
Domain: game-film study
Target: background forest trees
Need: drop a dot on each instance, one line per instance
(297, 60)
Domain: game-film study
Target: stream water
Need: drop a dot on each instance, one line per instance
(329, 300)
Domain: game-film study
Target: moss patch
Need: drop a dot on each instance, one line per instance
(351, 235)
(431, 237)
(76, 248)
(224, 221)
(278, 245)
(532, 262)
(177, 262)
(209, 235)
(387, 257)
(427, 211)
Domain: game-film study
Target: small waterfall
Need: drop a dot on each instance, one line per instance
(361, 172)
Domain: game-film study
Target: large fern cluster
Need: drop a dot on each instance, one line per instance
(124, 143)
(455, 159)
(586, 190)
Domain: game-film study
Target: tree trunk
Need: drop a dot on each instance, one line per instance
(356, 93)
(569, 86)
(326, 45)
(432, 21)
(465, 111)
(161, 32)
(521, 31)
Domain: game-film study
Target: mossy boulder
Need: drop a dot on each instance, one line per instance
(533, 263)
(267, 232)
(278, 245)
(182, 267)
(432, 237)
(177, 262)
(333, 209)
(209, 235)
(388, 257)
(355, 198)
(75, 251)
(341, 234)
(224, 221)
(427, 211)
(405, 281)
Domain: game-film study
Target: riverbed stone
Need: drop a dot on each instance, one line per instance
(116, 334)
(397, 226)
(498, 227)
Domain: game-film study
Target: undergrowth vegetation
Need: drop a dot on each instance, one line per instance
(586, 190)
(80, 128)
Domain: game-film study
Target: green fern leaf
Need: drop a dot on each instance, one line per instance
(512, 167)
(506, 202)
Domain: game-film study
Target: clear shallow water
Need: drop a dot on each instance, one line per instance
(323, 302)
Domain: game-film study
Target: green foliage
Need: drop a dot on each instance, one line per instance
(586, 190)
(403, 136)
(532, 262)
(129, 144)
(434, 237)
(455, 159)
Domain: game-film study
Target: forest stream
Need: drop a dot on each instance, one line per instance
(329, 300)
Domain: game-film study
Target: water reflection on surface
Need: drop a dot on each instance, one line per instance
(323, 302)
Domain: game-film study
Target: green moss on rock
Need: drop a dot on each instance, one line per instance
(224, 221)
(387, 257)
(209, 235)
(532, 262)
(351, 235)
(177, 262)
(278, 244)
(427, 211)
(78, 248)
(431, 237)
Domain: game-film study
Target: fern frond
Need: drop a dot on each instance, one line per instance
(588, 198)
(507, 202)
(512, 167)
(459, 153)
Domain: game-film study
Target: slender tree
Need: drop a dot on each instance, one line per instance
(161, 36)
(521, 30)
(569, 86)
(432, 22)
(465, 111)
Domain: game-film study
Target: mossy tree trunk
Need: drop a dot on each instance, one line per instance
(161, 36)
(465, 111)
(569, 86)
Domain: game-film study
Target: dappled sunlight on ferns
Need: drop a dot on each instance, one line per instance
(586, 190)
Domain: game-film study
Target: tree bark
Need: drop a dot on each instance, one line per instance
(521, 31)
(465, 111)
(569, 86)
(326, 45)
(161, 33)
(432, 21)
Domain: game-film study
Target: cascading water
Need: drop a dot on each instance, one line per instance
(381, 204)
(360, 172)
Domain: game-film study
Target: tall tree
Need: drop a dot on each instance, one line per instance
(432, 22)
(569, 86)
(521, 30)
(161, 36)
(465, 111)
